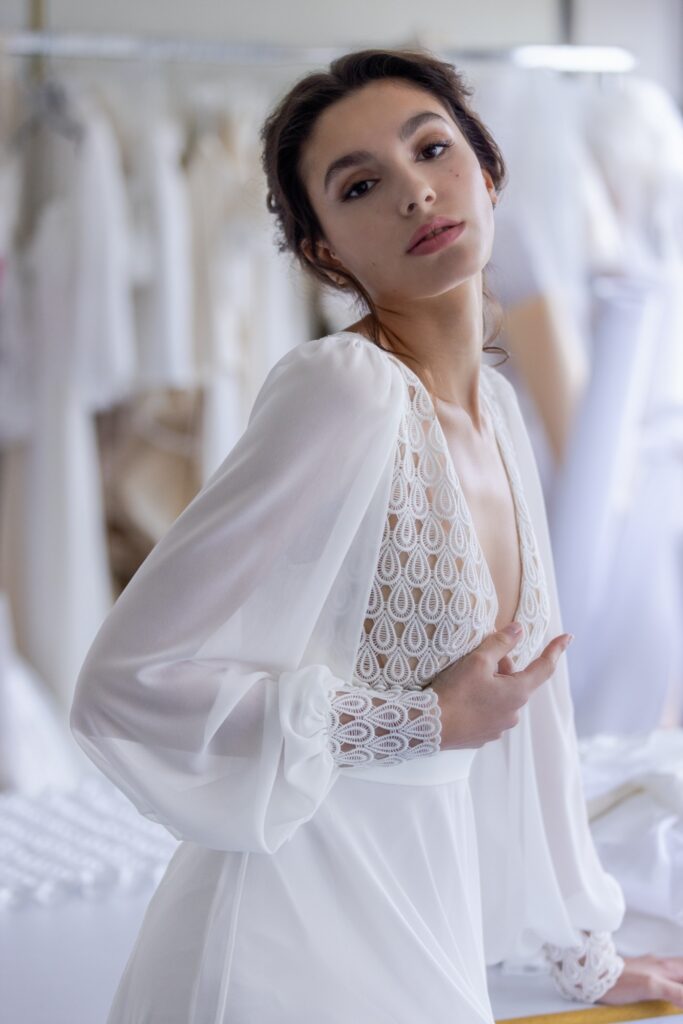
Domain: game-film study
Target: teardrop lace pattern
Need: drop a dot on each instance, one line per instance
(380, 727)
(432, 599)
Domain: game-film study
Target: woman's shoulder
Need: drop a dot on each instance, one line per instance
(341, 371)
(345, 362)
(340, 348)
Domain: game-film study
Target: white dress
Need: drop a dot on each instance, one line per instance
(70, 304)
(335, 872)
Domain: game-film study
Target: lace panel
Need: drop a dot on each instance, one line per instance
(587, 981)
(381, 727)
(432, 598)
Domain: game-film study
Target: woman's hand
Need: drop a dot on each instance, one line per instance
(647, 977)
(480, 696)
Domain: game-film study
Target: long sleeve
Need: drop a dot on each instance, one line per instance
(207, 695)
(543, 885)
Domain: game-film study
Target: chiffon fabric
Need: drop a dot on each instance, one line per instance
(302, 890)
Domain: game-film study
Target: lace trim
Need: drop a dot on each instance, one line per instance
(534, 609)
(381, 728)
(432, 598)
(586, 981)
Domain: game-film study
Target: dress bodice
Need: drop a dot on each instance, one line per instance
(432, 599)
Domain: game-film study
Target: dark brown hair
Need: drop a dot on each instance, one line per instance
(291, 122)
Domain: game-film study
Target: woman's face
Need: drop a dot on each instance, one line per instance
(370, 206)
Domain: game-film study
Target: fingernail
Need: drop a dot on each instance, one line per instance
(567, 642)
(514, 629)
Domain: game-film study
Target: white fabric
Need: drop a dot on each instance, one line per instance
(206, 696)
(78, 868)
(634, 788)
(218, 282)
(36, 748)
(163, 298)
(77, 841)
(539, 246)
(251, 303)
(588, 498)
(619, 494)
(15, 378)
(55, 561)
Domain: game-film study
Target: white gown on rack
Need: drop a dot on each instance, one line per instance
(70, 303)
(333, 550)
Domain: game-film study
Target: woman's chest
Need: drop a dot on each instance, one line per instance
(458, 555)
(487, 493)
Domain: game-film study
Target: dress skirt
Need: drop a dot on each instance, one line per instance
(370, 913)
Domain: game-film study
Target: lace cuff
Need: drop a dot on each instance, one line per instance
(386, 726)
(587, 981)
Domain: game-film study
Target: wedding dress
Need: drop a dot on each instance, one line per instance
(261, 688)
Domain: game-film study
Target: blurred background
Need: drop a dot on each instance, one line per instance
(142, 303)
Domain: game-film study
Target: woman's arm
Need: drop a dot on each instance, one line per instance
(208, 695)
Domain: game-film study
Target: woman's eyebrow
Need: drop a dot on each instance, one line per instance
(359, 156)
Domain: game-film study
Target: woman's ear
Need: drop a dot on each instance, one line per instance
(490, 186)
(324, 253)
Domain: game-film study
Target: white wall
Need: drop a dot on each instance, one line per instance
(343, 22)
(652, 29)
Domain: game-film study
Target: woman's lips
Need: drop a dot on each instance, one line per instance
(438, 241)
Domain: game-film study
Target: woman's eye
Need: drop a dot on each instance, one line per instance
(441, 144)
(347, 194)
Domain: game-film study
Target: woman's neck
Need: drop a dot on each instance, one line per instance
(447, 344)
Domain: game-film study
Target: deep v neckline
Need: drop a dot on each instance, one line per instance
(493, 419)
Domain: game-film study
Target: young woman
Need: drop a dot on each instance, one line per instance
(312, 680)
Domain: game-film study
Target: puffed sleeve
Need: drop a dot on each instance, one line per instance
(543, 885)
(206, 694)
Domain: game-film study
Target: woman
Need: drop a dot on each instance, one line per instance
(310, 679)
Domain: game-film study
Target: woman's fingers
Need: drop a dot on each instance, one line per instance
(505, 666)
(543, 666)
(673, 966)
(664, 988)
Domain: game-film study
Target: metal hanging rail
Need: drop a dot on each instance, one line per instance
(120, 47)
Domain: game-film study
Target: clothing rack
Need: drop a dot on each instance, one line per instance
(563, 57)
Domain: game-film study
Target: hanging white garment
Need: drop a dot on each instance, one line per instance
(216, 266)
(588, 498)
(308, 878)
(539, 243)
(250, 304)
(163, 297)
(36, 750)
(15, 375)
(634, 789)
(73, 275)
(636, 137)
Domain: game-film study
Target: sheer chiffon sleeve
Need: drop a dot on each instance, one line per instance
(543, 886)
(208, 694)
